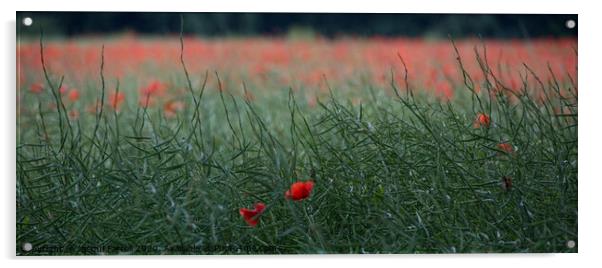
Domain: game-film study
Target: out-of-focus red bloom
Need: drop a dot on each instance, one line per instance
(299, 190)
(251, 216)
(275, 60)
(147, 94)
(482, 120)
(506, 147)
(63, 90)
(115, 99)
(73, 95)
(37, 88)
(444, 89)
(171, 108)
(155, 88)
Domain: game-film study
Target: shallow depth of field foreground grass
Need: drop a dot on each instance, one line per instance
(395, 170)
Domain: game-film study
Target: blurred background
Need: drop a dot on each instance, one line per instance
(277, 50)
(329, 25)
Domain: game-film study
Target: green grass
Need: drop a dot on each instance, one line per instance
(399, 173)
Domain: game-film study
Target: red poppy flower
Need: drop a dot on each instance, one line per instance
(506, 147)
(482, 120)
(171, 108)
(73, 95)
(115, 99)
(153, 89)
(63, 90)
(251, 216)
(299, 190)
(37, 88)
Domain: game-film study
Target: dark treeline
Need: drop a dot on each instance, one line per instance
(70, 24)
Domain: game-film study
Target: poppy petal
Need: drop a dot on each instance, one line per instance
(299, 190)
(251, 216)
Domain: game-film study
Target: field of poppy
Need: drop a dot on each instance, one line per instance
(139, 145)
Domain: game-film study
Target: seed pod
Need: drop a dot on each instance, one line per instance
(507, 183)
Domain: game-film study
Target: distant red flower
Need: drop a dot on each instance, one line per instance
(115, 99)
(37, 88)
(73, 95)
(444, 89)
(63, 90)
(170, 108)
(155, 88)
(251, 216)
(506, 147)
(482, 120)
(299, 190)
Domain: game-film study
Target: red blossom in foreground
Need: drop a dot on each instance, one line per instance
(299, 190)
(482, 120)
(251, 216)
(506, 147)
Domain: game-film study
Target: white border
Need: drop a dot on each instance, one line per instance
(590, 151)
